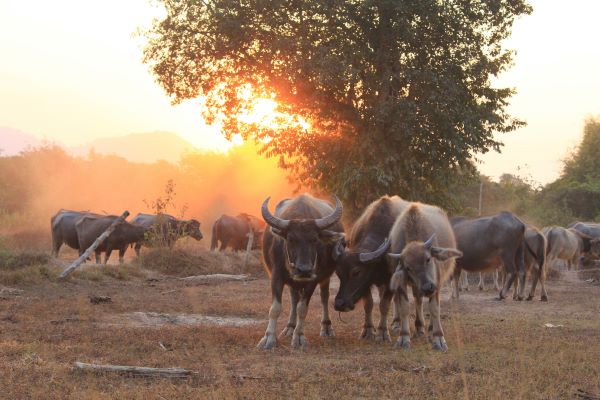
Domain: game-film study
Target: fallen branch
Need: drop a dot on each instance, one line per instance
(94, 246)
(141, 371)
(217, 278)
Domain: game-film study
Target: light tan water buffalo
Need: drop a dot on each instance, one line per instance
(423, 250)
(566, 244)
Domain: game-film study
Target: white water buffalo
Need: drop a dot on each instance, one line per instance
(362, 264)
(423, 250)
(62, 225)
(488, 243)
(297, 251)
(535, 261)
(89, 228)
(566, 244)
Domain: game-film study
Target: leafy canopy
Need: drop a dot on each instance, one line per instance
(372, 97)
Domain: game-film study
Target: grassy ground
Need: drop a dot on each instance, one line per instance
(497, 349)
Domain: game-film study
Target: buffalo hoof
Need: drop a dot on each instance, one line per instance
(267, 342)
(439, 343)
(382, 336)
(403, 342)
(480, 287)
(299, 342)
(327, 331)
(287, 331)
(396, 326)
(529, 298)
(544, 298)
(368, 333)
(518, 298)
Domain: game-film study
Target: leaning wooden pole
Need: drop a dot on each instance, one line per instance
(94, 245)
(249, 247)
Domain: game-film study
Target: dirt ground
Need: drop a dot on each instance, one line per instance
(498, 349)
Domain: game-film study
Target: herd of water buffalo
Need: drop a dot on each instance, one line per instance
(394, 245)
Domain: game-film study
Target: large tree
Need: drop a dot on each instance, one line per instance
(374, 97)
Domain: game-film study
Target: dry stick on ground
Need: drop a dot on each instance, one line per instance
(143, 371)
(216, 278)
(94, 245)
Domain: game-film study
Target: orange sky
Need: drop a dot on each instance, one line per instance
(70, 71)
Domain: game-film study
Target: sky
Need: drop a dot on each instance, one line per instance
(71, 72)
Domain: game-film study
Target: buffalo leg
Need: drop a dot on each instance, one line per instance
(495, 277)
(368, 331)
(396, 314)
(298, 338)
(122, 251)
(419, 318)
(481, 281)
(223, 245)
(464, 281)
(520, 264)
(269, 340)
(404, 313)
(291, 325)
(437, 334)
(137, 248)
(107, 254)
(97, 253)
(385, 299)
(456, 283)
(326, 329)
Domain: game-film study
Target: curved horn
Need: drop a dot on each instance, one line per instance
(326, 222)
(272, 220)
(366, 257)
(429, 242)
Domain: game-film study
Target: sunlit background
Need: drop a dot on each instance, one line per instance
(71, 72)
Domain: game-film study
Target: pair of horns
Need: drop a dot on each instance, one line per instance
(282, 224)
(428, 244)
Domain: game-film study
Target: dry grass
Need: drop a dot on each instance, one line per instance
(497, 349)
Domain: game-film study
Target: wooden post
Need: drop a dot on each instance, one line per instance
(144, 371)
(249, 247)
(94, 245)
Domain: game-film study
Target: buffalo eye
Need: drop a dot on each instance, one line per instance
(355, 272)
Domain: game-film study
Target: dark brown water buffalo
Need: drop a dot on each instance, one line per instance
(488, 243)
(234, 231)
(422, 254)
(297, 251)
(62, 225)
(535, 261)
(89, 228)
(164, 230)
(362, 264)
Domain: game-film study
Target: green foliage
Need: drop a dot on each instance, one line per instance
(397, 93)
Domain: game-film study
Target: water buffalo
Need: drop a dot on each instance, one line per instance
(297, 251)
(234, 231)
(423, 250)
(62, 226)
(362, 264)
(165, 229)
(488, 243)
(591, 229)
(89, 228)
(566, 244)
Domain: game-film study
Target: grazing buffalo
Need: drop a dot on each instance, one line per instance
(423, 250)
(488, 243)
(165, 229)
(297, 251)
(234, 232)
(567, 245)
(89, 228)
(62, 225)
(591, 229)
(362, 264)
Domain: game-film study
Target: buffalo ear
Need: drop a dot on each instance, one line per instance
(338, 249)
(443, 254)
(331, 237)
(279, 232)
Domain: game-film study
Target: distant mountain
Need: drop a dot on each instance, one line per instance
(13, 141)
(140, 147)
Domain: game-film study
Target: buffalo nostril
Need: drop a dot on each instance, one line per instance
(428, 288)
